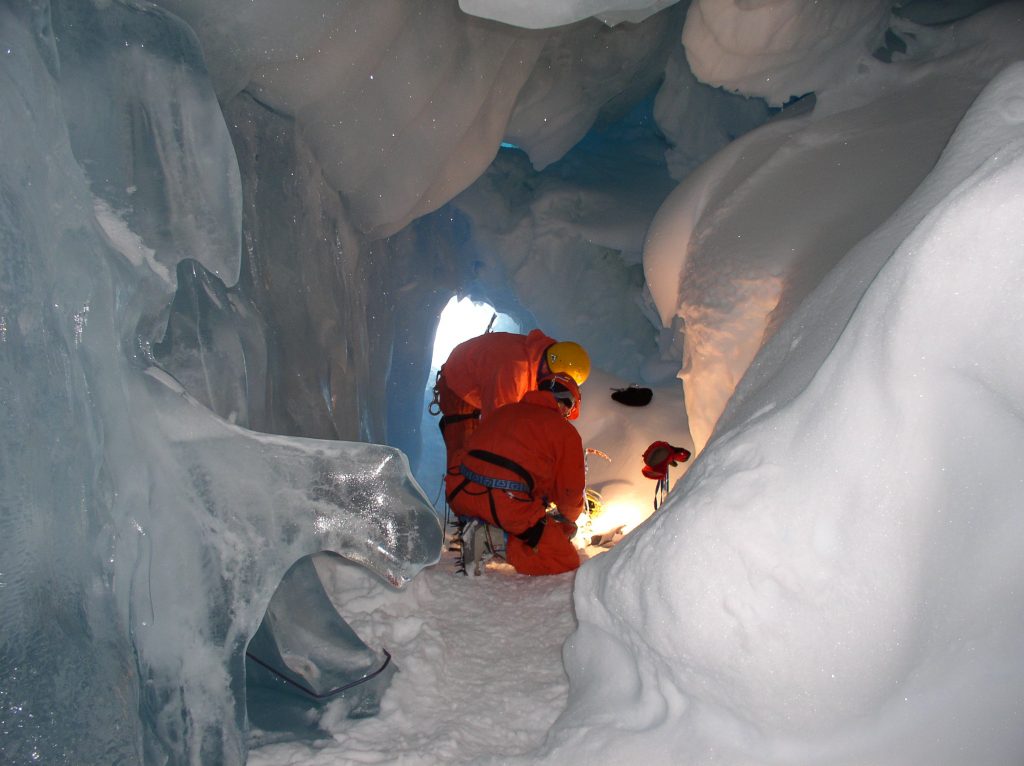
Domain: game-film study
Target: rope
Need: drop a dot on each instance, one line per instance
(438, 496)
(332, 692)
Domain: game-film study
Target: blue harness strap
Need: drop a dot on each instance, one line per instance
(530, 536)
(487, 481)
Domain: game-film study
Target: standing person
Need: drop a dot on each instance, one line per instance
(522, 458)
(495, 369)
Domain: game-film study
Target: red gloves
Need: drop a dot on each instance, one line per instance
(659, 456)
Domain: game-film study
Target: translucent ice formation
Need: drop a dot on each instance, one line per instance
(143, 535)
(306, 656)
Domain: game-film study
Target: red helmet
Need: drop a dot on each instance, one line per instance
(565, 390)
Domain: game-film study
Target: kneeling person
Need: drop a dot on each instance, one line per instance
(495, 369)
(518, 461)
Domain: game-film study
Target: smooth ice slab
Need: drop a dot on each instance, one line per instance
(305, 656)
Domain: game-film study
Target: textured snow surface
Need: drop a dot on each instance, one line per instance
(479, 667)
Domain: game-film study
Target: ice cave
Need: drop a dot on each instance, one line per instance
(229, 232)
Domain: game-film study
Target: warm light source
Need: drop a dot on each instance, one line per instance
(608, 522)
(625, 514)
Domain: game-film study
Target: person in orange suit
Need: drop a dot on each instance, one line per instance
(495, 369)
(522, 458)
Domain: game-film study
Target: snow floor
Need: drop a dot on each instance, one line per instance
(480, 666)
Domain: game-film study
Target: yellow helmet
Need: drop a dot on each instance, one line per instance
(569, 359)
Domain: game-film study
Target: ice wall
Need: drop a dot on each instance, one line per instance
(780, 48)
(153, 139)
(142, 534)
(313, 281)
(837, 579)
(215, 347)
(330, 331)
(729, 254)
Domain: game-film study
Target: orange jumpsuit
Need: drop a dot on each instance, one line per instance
(523, 443)
(482, 374)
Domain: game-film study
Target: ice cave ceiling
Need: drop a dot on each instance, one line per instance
(405, 104)
(369, 139)
(399, 111)
(227, 223)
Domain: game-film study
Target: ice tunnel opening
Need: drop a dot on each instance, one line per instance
(305, 655)
(461, 319)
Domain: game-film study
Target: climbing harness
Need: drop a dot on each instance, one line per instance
(434, 408)
(530, 536)
(508, 485)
